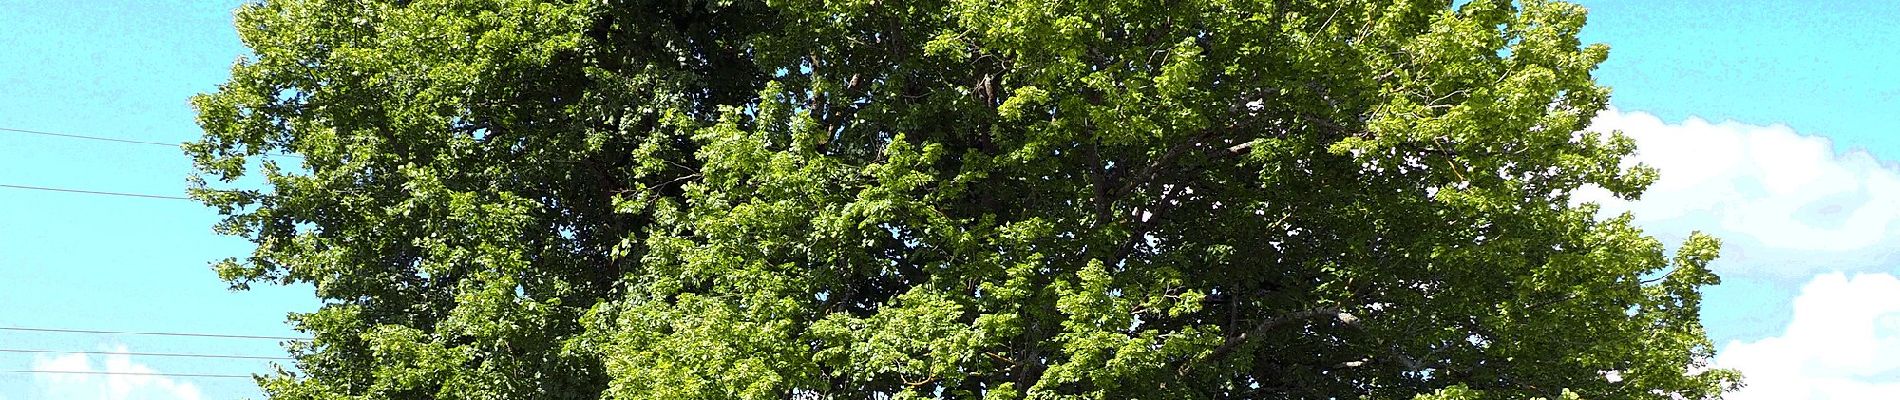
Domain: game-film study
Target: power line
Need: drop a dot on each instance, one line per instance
(182, 355)
(207, 335)
(68, 135)
(29, 371)
(118, 140)
(149, 196)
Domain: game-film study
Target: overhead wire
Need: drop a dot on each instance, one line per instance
(142, 354)
(183, 334)
(112, 139)
(32, 371)
(102, 332)
(73, 136)
(103, 193)
(106, 139)
(131, 353)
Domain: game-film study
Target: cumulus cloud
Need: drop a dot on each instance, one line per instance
(1843, 343)
(1787, 204)
(107, 387)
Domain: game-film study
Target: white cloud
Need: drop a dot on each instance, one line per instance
(1788, 207)
(1843, 343)
(107, 387)
(1787, 204)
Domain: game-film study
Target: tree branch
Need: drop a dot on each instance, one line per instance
(1262, 328)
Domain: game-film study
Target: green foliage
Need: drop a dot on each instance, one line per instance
(1000, 199)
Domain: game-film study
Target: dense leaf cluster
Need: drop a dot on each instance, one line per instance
(1000, 199)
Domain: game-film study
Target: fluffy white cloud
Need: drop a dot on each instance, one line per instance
(107, 387)
(1843, 343)
(1787, 204)
(1788, 207)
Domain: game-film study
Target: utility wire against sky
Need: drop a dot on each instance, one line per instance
(53, 189)
(142, 354)
(30, 371)
(99, 138)
(90, 192)
(185, 334)
(134, 353)
(111, 139)
(73, 136)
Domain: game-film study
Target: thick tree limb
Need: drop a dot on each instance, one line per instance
(1262, 328)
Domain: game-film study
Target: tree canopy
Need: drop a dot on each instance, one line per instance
(998, 199)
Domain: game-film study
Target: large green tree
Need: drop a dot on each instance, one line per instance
(1000, 199)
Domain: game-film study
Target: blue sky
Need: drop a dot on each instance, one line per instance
(120, 69)
(1773, 122)
(1825, 67)
(1822, 68)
